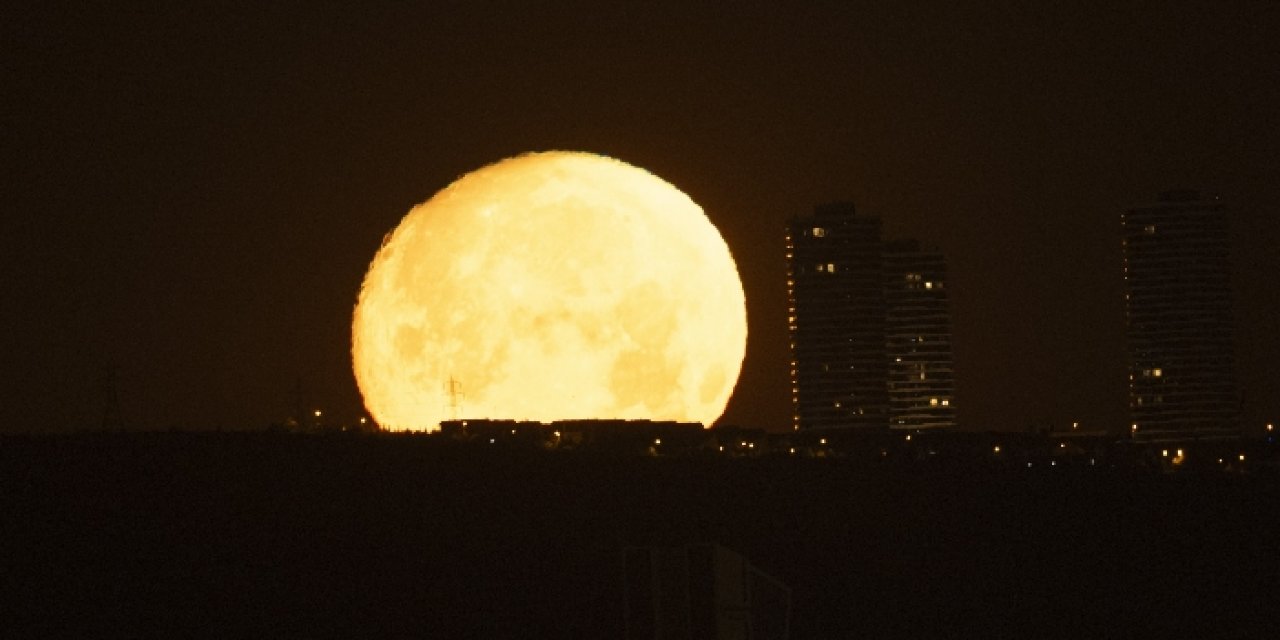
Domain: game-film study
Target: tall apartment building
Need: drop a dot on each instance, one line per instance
(918, 338)
(836, 318)
(869, 327)
(1178, 304)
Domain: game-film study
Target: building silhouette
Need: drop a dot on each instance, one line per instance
(869, 326)
(701, 591)
(918, 338)
(1178, 309)
(836, 318)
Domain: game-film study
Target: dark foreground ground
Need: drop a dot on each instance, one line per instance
(279, 535)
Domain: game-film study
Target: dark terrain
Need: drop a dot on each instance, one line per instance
(286, 535)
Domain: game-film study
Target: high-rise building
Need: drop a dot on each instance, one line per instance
(1178, 304)
(918, 338)
(836, 317)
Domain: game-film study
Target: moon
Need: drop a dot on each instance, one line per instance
(550, 286)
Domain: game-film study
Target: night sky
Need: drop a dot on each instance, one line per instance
(191, 196)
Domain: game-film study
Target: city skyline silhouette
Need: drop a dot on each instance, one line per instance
(196, 194)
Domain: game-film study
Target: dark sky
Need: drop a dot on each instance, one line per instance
(191, 196)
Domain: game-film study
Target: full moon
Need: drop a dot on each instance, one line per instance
(550, 286)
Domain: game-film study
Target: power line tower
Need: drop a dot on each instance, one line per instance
(454, 389)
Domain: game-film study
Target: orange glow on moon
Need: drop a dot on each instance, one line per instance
(550, 286)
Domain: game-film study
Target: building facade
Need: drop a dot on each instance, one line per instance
(1178, 310)
(918, 338)
(836, 320)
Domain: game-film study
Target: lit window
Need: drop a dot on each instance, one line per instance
(1149, 229)
(819, 232)
(1156, 373)
(933, 402)
(831, 267)
(928, 285)
(946, 403)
